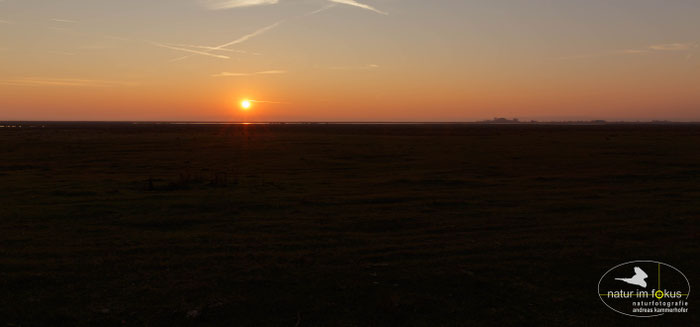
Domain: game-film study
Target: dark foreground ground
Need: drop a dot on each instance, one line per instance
(330, 225)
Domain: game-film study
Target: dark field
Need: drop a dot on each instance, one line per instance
(339, 225)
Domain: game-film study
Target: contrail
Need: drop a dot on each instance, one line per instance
(319, 10)
(262, 31)
(238, 3)
(229, 4)
(190, 50)
(249, 36)
(234, 42)
(359, 5)
(204, 47)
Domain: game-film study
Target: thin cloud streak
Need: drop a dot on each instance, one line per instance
(674, 46)
(267, 72)
(2, 21)
(263, 101)
(96, 47)
(365, 67)
(668, 47)
(62, 53)
(359, 5)
(46, 81)
(632, 51)
(230, 4)
(67, 21)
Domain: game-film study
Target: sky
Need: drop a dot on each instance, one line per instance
(349, 60)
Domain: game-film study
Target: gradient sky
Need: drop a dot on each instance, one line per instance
(349, 60)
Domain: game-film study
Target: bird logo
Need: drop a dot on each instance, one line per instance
(638, 279)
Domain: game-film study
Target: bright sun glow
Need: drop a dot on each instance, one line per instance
(245, 104)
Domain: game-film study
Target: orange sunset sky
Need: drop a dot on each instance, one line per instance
(347, 60)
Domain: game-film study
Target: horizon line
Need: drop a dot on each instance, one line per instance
(489, 122)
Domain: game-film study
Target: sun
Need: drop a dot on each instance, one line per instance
(245, 104)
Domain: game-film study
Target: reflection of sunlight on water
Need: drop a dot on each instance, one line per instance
(300, 123)
(185, 123)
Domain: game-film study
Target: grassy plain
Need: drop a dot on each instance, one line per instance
(339, 225)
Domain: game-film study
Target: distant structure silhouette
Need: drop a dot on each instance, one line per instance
(499, 120)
